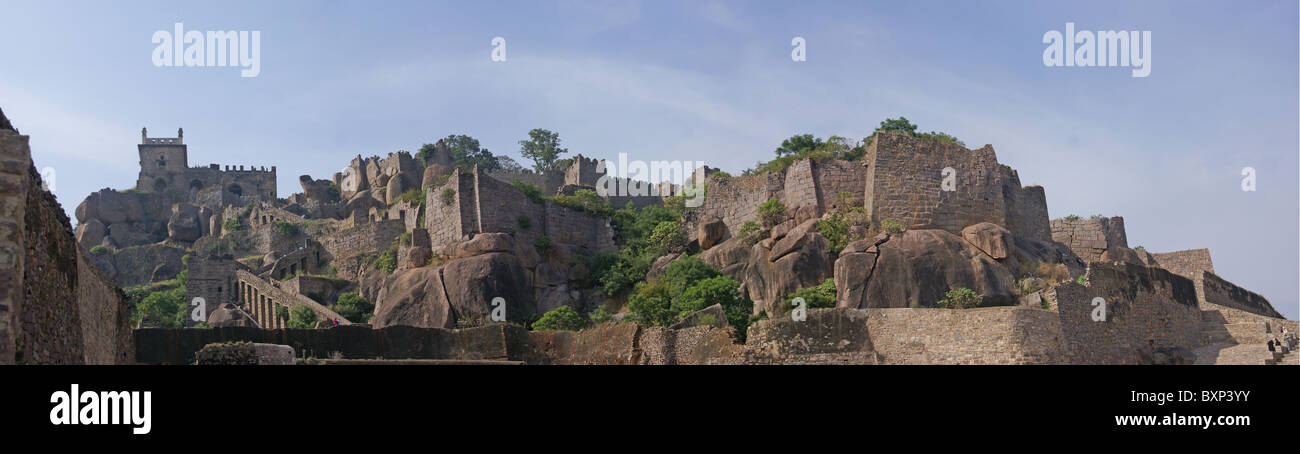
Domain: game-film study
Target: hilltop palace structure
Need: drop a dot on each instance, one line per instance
(164, 169)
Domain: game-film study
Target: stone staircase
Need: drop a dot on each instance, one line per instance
(1241, 343)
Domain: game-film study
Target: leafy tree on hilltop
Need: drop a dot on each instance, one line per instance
(543, 147)
(465, 153)
(902, 125)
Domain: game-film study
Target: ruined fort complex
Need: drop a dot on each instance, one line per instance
(436, 247)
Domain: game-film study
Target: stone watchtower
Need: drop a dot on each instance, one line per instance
(163, 162)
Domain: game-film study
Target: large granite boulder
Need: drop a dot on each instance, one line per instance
(915, 269)
(413, 297)
(185, 223)
(484, 243)
(711, 232)
(990, 239)
(90, 233)
(462, 289)
(230, 315)
(769, 270)
(434, 174)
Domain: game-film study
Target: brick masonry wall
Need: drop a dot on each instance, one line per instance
(1146, 308)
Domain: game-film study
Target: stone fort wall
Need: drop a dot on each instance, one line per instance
(1146, 308)
(1187, 263)
(903, 183)
(55, 306)
(480, 203)
(1090, 238)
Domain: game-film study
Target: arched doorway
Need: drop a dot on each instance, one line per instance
(236, 190)
(159, 185)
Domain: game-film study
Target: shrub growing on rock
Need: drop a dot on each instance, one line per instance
(99, 249)
(962, 298)
(562, 318)
(892, 227)
(353, 307)
(822, 295)
(771, 212)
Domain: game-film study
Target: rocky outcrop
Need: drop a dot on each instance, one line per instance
(185, 224)
(463, 289)
(230, 315)
(127, 218)
(915, 269)
(711, 232)
(771, 269)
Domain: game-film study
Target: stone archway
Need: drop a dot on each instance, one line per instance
(159, 185)
(236, 190)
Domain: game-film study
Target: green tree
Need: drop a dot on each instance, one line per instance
(465, 153)
(685, 272)
(797, 144)
(562, 318)
(651, 304)
(668, 238)
(543, 147)
(353, 307)
(301, 317)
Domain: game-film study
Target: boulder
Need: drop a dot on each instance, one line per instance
(661, 264)
(461, 289)
(90, 233)
(484, 243)
(88, 209)
(711, 232)
(397, 185)
(915, 269)
(794, 240)
(419, 256)
(413, 297)
(989, 238)
(230, 315)
(185, 224)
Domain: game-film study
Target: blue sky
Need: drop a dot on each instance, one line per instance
(703, 80)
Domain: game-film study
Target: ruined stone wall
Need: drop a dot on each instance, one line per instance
(1026, 207)
(258, 297)
(213, 279)
(1146, 308)
(549, 182)
(905, 178)
(445, 221)
(839, 182)
(501, 204)
(15, 160)
(105, 316)
(600, 345)
(1090, 238)
(55, 307)
(1213, 289)
(1188, 263)
(365, 238)
(734, 200)
(993, 335)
